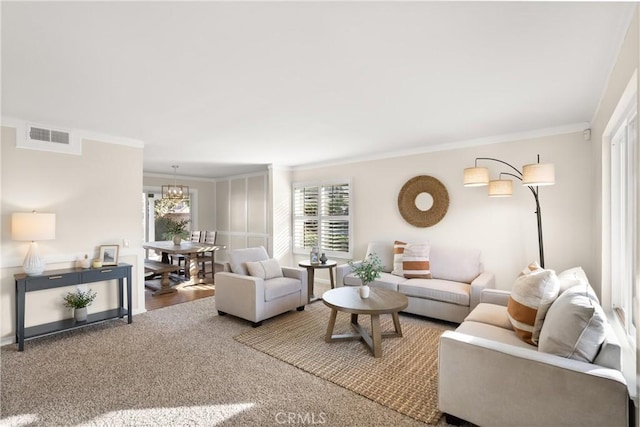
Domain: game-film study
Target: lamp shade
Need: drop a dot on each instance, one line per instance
(33, 226)
(501, 188)
(538, 174)
(476, 177)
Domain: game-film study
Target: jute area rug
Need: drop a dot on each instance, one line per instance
(404, 379)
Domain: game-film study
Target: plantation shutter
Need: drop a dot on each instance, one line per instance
(305, 210)
(334, 218)
(321, 218)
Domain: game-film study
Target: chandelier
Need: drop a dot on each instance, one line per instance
(175, 191)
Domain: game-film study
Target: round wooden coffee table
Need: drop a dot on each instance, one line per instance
(380, 301)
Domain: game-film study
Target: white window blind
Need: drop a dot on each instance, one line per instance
(321, 218)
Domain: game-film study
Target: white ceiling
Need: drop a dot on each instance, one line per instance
(223, 88)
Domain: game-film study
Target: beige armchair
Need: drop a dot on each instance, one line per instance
(259, 296)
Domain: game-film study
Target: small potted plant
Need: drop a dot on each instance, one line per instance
(176, 230)
(79, 301)
(367, 271)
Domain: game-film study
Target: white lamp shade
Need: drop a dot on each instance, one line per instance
(538, 174)
(476, 177)
(501, 188)
(33, 226)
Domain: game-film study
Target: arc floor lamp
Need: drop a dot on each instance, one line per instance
(532, 176)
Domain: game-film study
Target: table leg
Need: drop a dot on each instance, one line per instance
(396, 324)
(20, 301)
(331, 277)
(194, 269)
(165, 285)
(332, 324)
(376, 335)
(310, 282)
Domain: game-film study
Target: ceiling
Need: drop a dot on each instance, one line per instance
(226, 88)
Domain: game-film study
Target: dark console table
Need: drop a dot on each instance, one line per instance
(69, 277)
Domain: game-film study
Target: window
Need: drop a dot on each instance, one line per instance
(624, 224)
(321, 217)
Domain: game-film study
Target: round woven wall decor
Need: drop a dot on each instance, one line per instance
(407, 201)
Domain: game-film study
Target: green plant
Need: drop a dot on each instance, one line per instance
(368, 269)
(176, 228)
(79, 298)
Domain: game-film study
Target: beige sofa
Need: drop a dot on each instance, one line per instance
(458, 280)
(255, 298)
(490, 377)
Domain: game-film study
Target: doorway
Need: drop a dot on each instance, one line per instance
(157, 211)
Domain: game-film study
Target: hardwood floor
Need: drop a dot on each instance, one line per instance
(187, 291)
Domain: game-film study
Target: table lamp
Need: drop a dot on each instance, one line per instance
(33, 226)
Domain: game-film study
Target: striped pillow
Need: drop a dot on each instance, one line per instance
(531, 297)
(398, 251)
(415, 261)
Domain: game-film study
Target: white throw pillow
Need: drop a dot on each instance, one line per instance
(530, 298)
(574, 327)
(576, 277)
(267, 269)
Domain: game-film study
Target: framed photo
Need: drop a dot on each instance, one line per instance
(109, 254)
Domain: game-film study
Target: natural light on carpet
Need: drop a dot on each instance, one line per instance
(181, 415)
(209, 415)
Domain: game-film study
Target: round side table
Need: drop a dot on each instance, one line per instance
(310, 275)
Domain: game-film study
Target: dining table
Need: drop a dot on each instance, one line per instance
(189, 249)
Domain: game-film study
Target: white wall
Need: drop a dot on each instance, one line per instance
(97, 199)
(242, 212)
(627, 62)
(280, 208)
(504, 229)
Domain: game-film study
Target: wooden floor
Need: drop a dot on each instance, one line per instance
(186, 291)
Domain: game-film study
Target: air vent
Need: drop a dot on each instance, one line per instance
(49, 138)
(48, 135)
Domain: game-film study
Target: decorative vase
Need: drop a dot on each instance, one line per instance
(364, 291)
(80, 314)
(177, 240)
(84, 262)
(323, 258)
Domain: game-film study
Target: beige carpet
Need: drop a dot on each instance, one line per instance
(405, 378)
(176, 366)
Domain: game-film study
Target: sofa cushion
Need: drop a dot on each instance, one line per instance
(398, 251)
(491, 314)
(279, 287)
(438, 290)
(531, 297)
(576, 277)
(267, 269)
(385, 281)
(456, 264)
(384, 251)
(415, 261)
(574, 327)
(493, 333)
(238, 258)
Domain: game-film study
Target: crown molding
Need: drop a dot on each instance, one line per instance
(537, 133)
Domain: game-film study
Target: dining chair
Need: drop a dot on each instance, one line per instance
(208, 237)
(196, 236)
